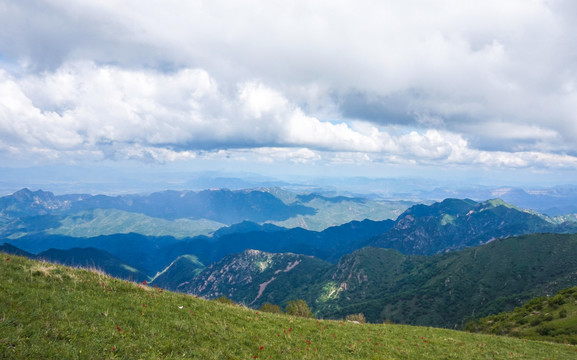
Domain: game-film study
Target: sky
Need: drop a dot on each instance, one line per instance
(445, 89)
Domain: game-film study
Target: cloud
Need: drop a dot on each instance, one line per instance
(436, 82)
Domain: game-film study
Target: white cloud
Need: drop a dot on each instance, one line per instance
(436, 82)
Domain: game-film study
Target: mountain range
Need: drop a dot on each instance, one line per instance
(437, 264)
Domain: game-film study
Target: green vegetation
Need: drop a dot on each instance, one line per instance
(334, 211)
(449, 289)
(542, 318)
(360, 318)
(299, 308)
(271, 308)
(53, 312)
(111, 221)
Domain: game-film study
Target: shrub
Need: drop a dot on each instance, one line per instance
(556, 301)
(271, 308)
(360, 318)
(538, 320)
(563, 313)
(299, 308)
(544, 331)
(224, 300)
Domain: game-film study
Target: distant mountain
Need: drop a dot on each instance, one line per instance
(97, 222)
(152, 254)
(135, 249)
(13, 250)
(254, 277)
(336, 210)
(422, 229)
(455, 224)
(33, 203)
(328, 245)
(552, 201)
(224, 206)
(246, 227)
(183, 213)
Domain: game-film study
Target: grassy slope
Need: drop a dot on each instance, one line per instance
(544, 318)
(49, 311)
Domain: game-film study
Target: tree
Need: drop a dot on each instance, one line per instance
(271, 308)
(299, 308)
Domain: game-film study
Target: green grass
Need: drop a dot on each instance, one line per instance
(542, 318)
(54, 312)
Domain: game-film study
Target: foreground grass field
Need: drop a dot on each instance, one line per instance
(49, 311)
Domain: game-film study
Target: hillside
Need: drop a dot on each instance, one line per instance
(544, 318)
(254, 277)
(53, 312)
(178, 274)
(442, 290)
(94, 258)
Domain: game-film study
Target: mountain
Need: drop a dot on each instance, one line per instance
(178, 274)
(455, 224)
(152, 254)
(183, 213)
(31, 203)
(336, 210)
(52, 312)
(94, 259)
(329, 244)
(254, 277)
(97, 222)
(442, 290)
(135, 249)
(224, 206)
(13, 250)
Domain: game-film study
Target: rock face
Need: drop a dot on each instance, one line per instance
(254, 277)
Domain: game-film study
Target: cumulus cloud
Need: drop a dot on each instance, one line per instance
(438, 82)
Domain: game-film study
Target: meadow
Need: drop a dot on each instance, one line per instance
(51, 311)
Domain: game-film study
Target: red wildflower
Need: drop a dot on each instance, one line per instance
(262, 347)
(7, 258)
(118, 328)
(144, 282)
